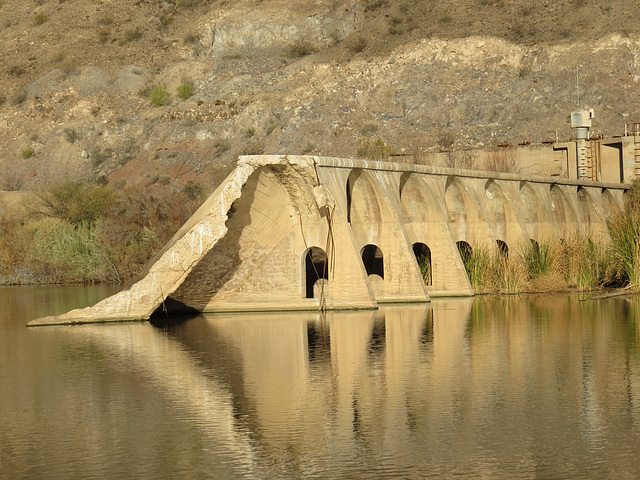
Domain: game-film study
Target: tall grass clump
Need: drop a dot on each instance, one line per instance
(64, 253)
(624, 228)
(185, 89)
(159, 95)
(494, 272)
(575, 263)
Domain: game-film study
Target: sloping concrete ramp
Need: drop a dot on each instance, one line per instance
(312, 233)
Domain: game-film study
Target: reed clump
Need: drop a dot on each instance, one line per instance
(624, 228)
(574, 263)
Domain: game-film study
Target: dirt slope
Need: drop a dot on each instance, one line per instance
(326, 77)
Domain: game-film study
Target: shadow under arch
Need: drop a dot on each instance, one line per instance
(418, 202)
(316, 272)
(609, 203)
(503, 248)
(423, 256)
(373, 260)
(363, 206)
(501, 211)
(465, 251)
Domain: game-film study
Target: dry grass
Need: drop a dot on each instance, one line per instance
(502, 160)
(552, 265)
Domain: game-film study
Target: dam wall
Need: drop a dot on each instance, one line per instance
(311, 233)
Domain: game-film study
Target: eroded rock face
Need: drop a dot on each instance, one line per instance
(279, 27)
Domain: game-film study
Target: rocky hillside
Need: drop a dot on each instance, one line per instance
(126, 91)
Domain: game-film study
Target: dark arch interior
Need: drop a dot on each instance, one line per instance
(423, 257)
(503, 248)
(465, 251)
(316, 267)
(373, 260)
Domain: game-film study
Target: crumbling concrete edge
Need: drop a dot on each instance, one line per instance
(181, 254)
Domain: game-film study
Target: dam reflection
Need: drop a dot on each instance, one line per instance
(521, 386)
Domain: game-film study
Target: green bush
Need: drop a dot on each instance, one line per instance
(27, 152)
(98, 157)
(40, 18)
(75, 203)
(131, 35)
(16, 70)
(301, 48)
(63, 253)
(358, 46)
(185, 89)
(374, 149)
(71, 135)
(159, 96)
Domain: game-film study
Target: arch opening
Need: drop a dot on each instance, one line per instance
(423, 256)
(316, 272)
(465, 251)
(503, 248)
(373, 260)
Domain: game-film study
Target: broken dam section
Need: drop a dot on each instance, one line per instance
(312, 233)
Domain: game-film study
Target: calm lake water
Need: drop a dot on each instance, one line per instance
(523, 387)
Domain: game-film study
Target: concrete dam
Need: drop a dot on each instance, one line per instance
(311, 233)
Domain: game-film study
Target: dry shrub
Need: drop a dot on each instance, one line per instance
(12, 177)
(494, 272)
(141, 223)
(462, 159)
(502, 160)
(374, 149)
(550, 282)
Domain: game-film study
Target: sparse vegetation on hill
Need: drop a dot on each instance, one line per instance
(429, 75)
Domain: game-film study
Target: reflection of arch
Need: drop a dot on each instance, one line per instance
(503, 248)
(373, 260)
(316, 268)
(423, 257)
(465, 251)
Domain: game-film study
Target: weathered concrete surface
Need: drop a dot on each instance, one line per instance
(305, 233)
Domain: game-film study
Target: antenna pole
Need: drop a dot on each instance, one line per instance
(578, 84)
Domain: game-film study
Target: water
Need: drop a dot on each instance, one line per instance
(526, 387)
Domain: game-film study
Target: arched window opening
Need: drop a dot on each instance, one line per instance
(373, 260)
(465, 251)
(423, 257)
(349, 187)
(316, 268)
(503, 249)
